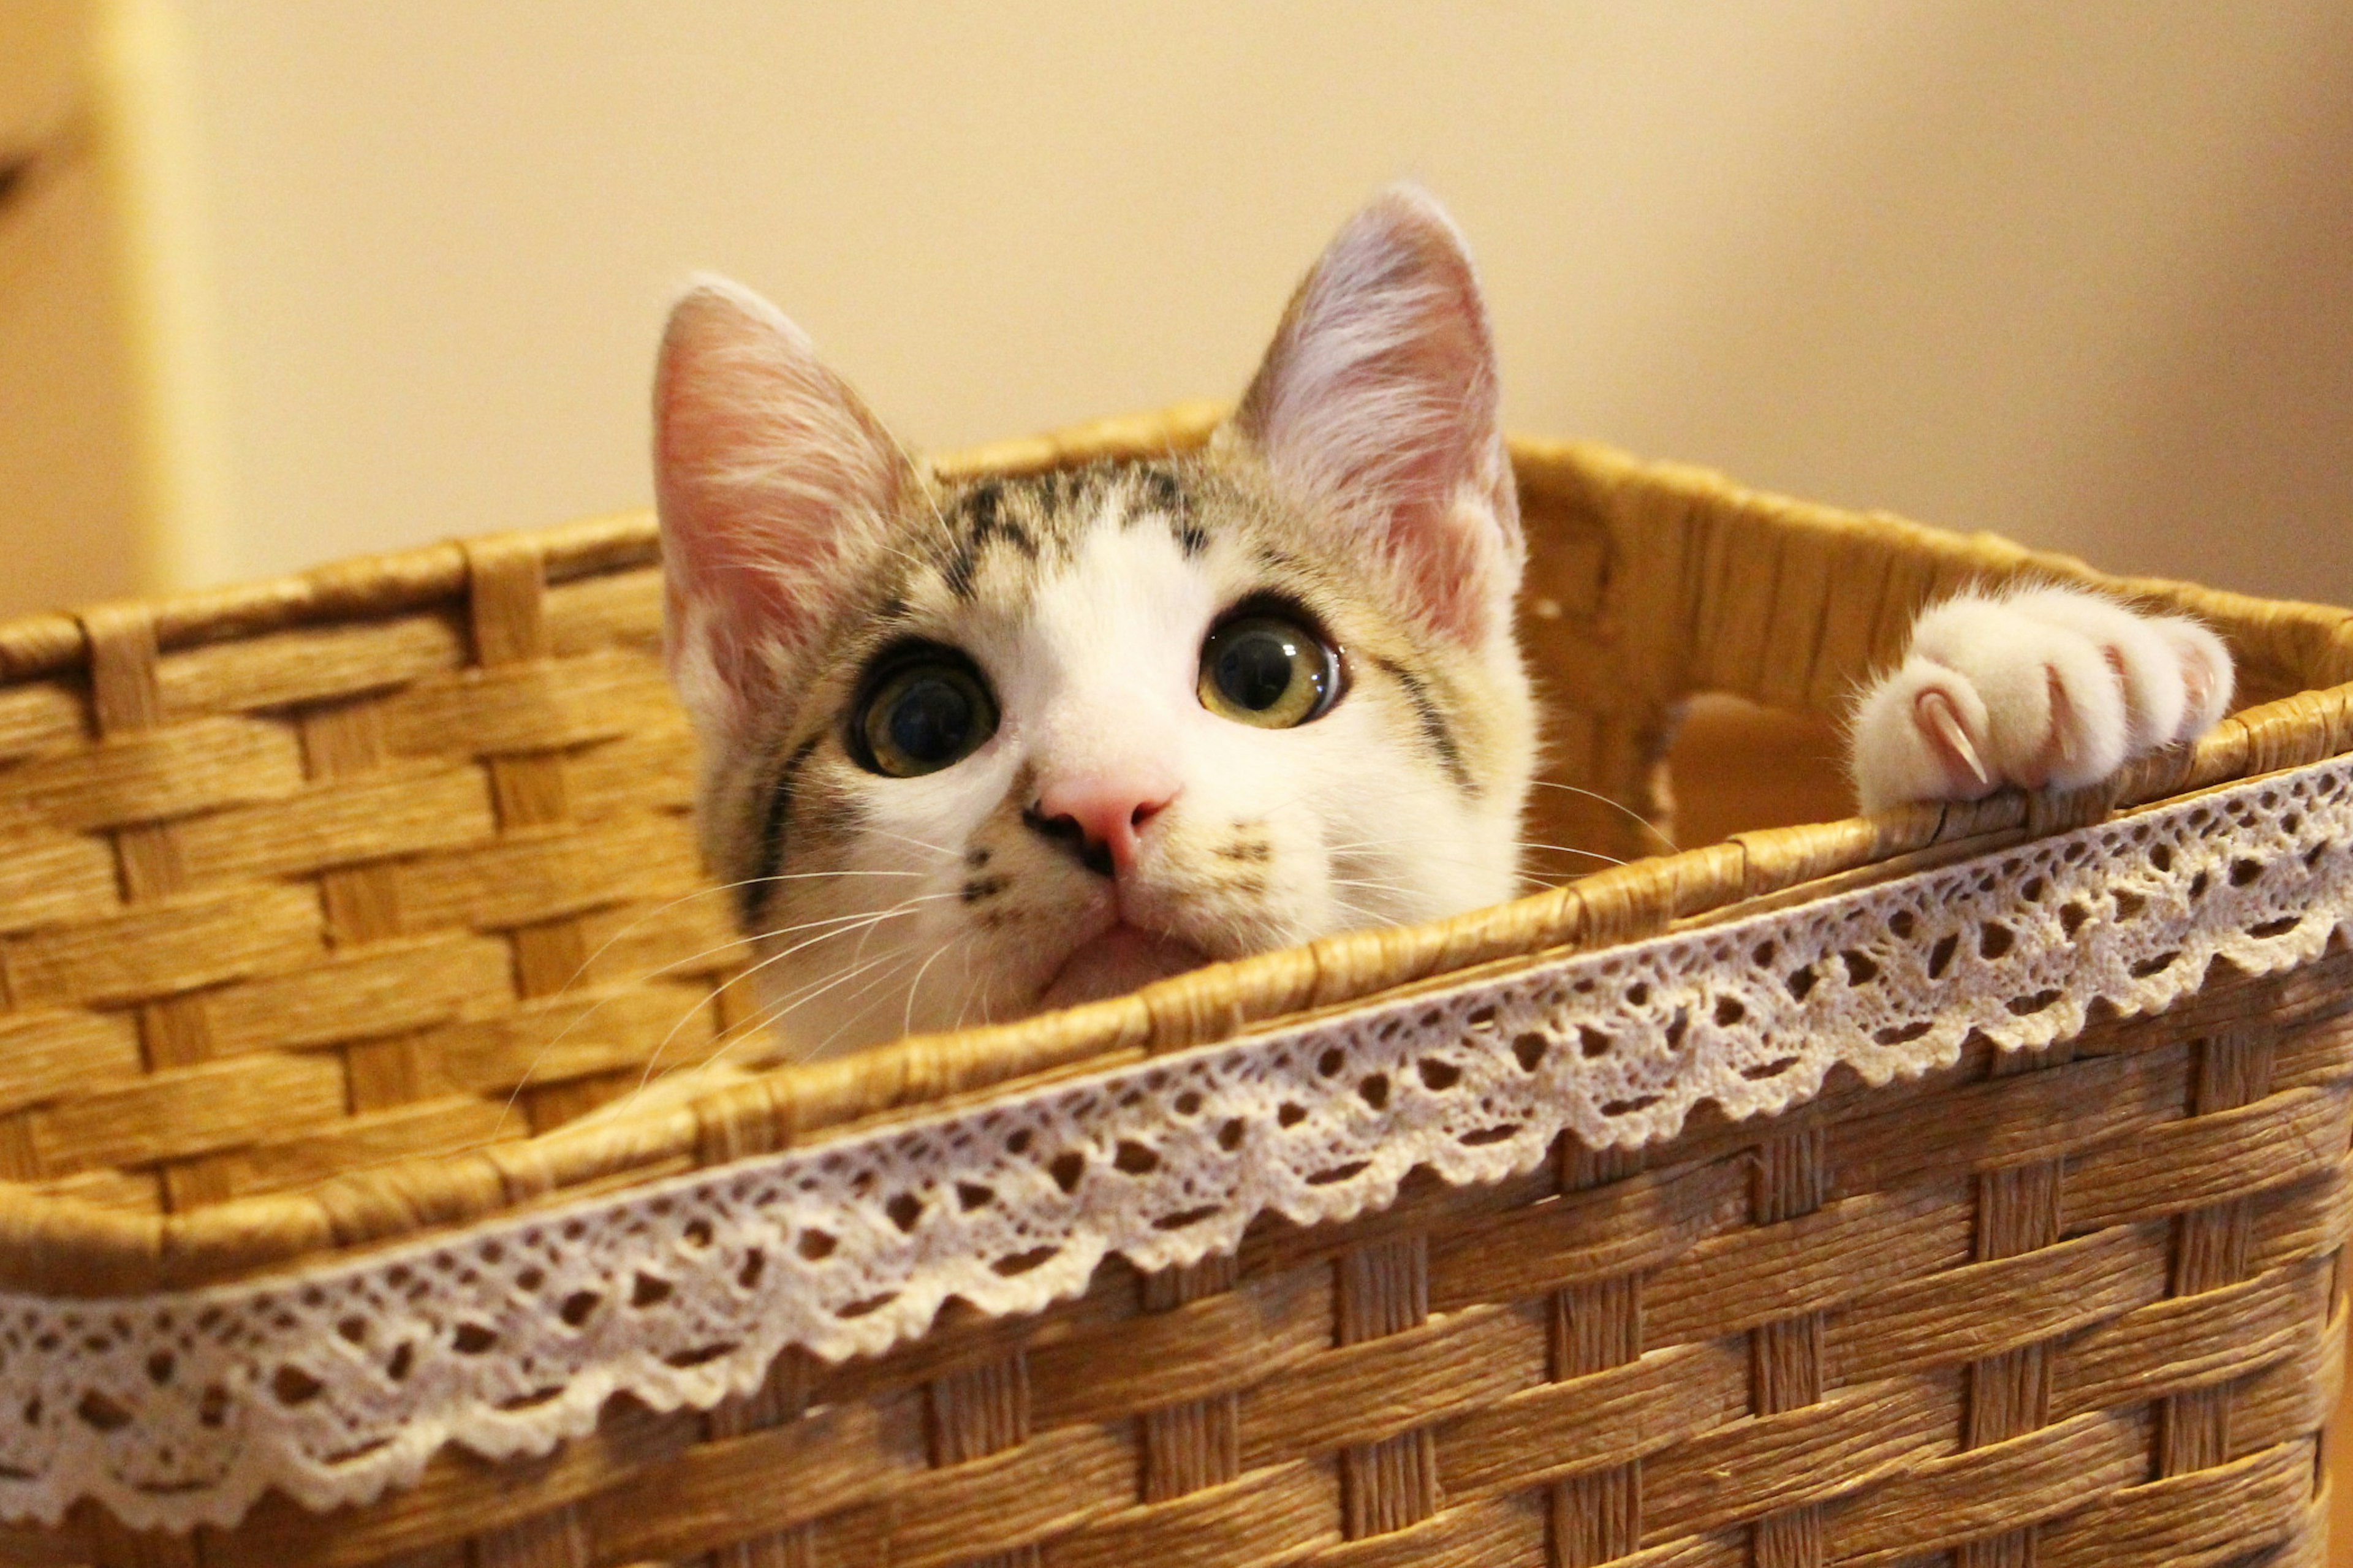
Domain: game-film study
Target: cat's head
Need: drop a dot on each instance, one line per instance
(975, 749)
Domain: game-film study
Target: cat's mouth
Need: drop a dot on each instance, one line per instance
(1117, 960)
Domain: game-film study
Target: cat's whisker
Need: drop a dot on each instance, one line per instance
(844, 926)
(714, 891)
(778, 1008)
(849, 920)
(1377, 889)
(1618, 805)
(906, 1025)
(767, 1017)
(1369, 917)
(1423, 852)
(878, 990)
(840, 920)
(907, 1017)
(862, 925)
(920, 844)
(859, 951)
(1361, 845)
(963, 998)
(677, 964)
(803, 876)
(1569, 850)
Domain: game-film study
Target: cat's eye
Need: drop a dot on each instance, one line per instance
(922, 715)
(1268, 670)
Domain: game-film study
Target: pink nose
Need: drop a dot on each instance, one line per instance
(1102, 816)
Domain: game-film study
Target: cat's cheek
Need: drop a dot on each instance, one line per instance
(1406, 841)
(1023, 937)
(1255, 870)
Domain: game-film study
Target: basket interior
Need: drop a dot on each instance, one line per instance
(395, 860)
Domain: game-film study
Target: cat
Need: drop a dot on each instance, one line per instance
(979, 748)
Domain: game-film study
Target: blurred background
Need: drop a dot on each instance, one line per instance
(283, 282)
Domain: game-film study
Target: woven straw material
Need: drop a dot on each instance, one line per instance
(2068, 1309)
(331, 905)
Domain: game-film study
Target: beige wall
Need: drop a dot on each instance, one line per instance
(2083, 274)
(70, 468)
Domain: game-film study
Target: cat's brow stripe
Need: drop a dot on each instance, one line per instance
(772, 831)
(1165, 495)
(1163, 490)
(1434, 727)
(981, 512)
(982, 517)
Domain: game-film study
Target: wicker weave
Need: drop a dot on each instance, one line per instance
(328, 906)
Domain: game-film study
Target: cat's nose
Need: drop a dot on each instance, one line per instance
(1100, 817)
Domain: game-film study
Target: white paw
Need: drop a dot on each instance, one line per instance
(2043, 687)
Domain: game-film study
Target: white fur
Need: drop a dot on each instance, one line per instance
(2045, 687)
(1098, 676)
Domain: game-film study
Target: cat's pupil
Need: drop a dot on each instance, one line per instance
(1256, 668)
(930, 721)
(1267, 671)
(926, 714)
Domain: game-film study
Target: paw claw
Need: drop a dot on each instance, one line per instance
(1937, 714)
(2063, 719)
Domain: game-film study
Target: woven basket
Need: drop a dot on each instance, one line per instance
(1953, 1185)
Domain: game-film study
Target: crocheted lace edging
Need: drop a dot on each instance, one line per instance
(179, 1410)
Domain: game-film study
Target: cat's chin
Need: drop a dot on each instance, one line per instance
(1117, 962)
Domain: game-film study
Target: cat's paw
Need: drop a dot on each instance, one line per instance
(2045, 687)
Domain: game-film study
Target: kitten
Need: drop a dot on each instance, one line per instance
(981, 748)
(975, 749)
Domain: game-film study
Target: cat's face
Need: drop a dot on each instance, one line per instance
(977, 749)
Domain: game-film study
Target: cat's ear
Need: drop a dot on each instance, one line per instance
(1378, 405)
(775, 486)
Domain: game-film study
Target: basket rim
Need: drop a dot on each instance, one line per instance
(61, 1242)
(884, 1273)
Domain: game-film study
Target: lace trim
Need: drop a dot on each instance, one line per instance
(176, 1410)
